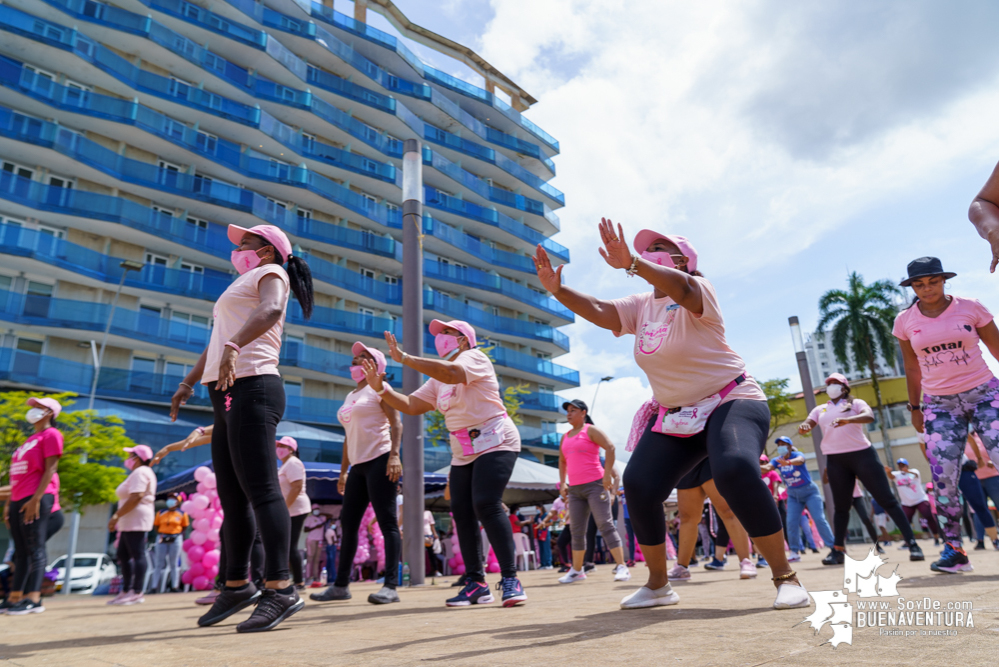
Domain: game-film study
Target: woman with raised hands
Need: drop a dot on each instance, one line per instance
(484, 446)
(705, 405)
(369, 471)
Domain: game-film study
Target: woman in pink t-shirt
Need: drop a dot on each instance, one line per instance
(369, 470)
(484, 446)
(589, 488)
(680, 344)
(950, 387)
(34, 499)
(240, 369)
(133, 520)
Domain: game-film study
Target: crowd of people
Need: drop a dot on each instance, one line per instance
(702, 433)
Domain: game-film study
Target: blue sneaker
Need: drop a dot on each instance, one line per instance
(715, 564)
(762, 562)
(952, 561)
(474, 592)
(513, 592)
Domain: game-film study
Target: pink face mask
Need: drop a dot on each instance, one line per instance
(357, 373)
(445, 344)
(660, 258)
(282, 451)
(130, 464)
(245, 260)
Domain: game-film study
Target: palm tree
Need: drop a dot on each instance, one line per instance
(861, 318)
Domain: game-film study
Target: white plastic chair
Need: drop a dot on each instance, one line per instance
(525, 555)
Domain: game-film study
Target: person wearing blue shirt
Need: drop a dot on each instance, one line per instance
(802, 493)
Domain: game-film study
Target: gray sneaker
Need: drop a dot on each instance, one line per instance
(332, 593)
(385, 596)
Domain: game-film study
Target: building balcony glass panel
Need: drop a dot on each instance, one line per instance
(502, 356)
(481, 319)
(471, 277)
(541, 402)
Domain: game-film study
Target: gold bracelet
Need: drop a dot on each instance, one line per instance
(784, 577)
(634, 266)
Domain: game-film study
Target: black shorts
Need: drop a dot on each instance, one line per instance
(701, 474)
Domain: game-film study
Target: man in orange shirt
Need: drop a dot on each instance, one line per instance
(170, 524)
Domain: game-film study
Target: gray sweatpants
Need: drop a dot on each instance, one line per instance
(586, 498)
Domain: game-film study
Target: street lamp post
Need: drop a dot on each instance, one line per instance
(98, 358)
(593, 403)
(809, 394)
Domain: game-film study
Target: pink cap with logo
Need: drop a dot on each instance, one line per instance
(289, 442)
(379, 356)
(438, 326)
(269, 233)
(46, 402)
(838, 377)
(144, 452)
(647, 237)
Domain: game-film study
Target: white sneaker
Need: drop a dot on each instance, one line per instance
(134, 598)
(121, 598)
(747, 569)
(793, 557)
(790, 596)
(571, 576)
(678, 573)
(621, 573)
(645, 597)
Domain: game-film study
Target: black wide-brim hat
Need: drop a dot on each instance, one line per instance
(925, 266)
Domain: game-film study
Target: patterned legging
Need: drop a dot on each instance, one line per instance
(947, 419)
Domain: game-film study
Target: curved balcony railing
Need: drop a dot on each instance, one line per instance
(502, 356)
(540, 402)
(475, 278)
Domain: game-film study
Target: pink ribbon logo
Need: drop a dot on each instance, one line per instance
(228, 402)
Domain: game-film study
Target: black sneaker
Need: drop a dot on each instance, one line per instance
(814, 550)
(474, 592)
(835, 557)
(228, 602)
(952, 561)
(5, 605)
(462, 580)
(980, 546)
(915, 553)
(589, 567)
(563, 569)
(878, 547)
(513, 592)
(385, 596)
(332, 593)
(272, 608)
(26, 606)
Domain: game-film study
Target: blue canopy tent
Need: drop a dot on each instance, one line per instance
(320, 482)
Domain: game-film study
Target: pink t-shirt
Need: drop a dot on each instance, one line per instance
(140, 518)
(685, 356)
(773, 480)
(290, 471)
(947, 345)
(841, 439)
(983, 472)
(857, 493)
(470, 404)
(582, 458)
(28, 464)
(369, 434)
(315, 528)
(260, 356)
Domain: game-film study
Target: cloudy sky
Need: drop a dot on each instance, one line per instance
(791, 142)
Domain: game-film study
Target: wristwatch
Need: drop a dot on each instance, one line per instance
(913, 408)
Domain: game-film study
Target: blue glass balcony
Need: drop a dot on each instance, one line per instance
(502, 356)
(324, 361)
(480, 319)
(541, 402)
(470, 277)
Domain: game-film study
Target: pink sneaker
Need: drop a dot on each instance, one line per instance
(678, 573)
(121, 597)
(747, 569)
(208, 599)
(134, 598)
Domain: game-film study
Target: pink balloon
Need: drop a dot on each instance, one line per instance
(459, 569)
(200, 472)
(186, 546)
(198, 537)
(209, 481)
(185, 507)
(196, 553)
(213, 535)
(211, 558)
(200, 500)
(493, 568)
(186, 577)
(201, 488)
(202, 583)
(202, 524)
(217, 522)
(197, 569)
(212, 572)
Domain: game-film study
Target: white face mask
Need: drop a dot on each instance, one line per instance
(35, 415)
(834, 391)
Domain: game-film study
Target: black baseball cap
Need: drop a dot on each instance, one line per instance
(576, 403)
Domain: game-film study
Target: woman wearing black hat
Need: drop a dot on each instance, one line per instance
(590, 488)
(950, 387)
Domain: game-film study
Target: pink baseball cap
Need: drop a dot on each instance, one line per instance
(646, 237)
(438, 326)
(289, 442)
(379, 356)
(269, 233)
(838, 377)
(46, 402)
(144, 452)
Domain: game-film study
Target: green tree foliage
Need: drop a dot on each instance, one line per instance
(81, 484)
(779, 402)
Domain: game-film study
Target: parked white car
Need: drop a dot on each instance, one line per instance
(90, 570)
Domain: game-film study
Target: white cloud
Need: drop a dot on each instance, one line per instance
(615, 407)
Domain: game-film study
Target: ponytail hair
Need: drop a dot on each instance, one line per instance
(300, 279)
(915, 300)
(586, 419)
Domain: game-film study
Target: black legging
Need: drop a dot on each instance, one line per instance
(246, 419)
(29, 543)
(844, 470)
(861, 507)
(369, 483)
(733, 440)
(782, 508)
(294, 554)
(476, 497)
(591, 540)
(564, 545)
(132, 560)
(256, 559)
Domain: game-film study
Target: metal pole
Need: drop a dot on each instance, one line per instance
(593, 404)
(412, 336)
(809, 394)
